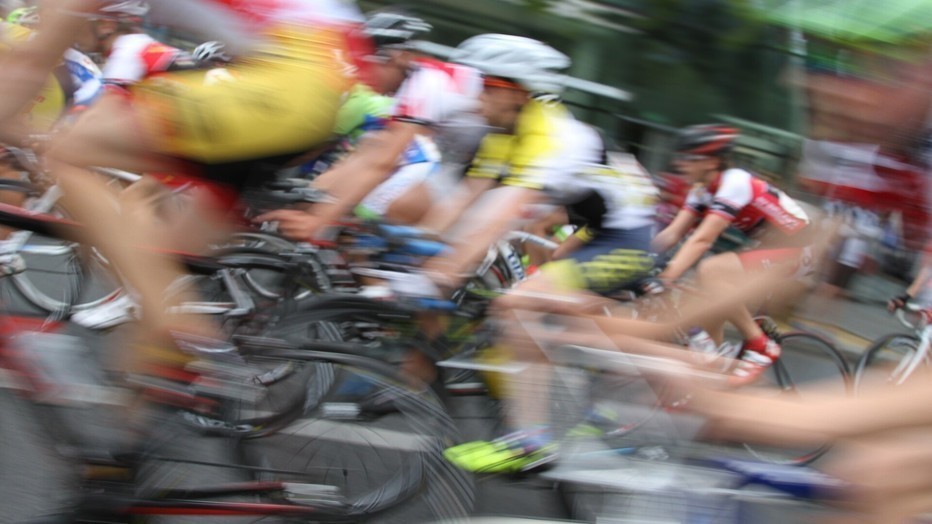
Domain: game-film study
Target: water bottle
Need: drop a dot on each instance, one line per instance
(701, 342)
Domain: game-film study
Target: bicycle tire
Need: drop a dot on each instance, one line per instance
(897, 349)
(62, 284)
(808, 345)
(85, 264)
(265, 243)
(325, 446)
(382, 329)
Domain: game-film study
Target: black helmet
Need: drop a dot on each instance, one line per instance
(393, 28)
(707, 140)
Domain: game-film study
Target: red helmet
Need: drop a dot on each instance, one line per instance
(707, 140)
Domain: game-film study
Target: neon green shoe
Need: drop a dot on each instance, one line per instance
(517, 452)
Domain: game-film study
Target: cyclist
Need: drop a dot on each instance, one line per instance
(726, 196)
(283, 103)
(129, 54)
(212, 56)
(918, 289)
(399, 198)
(539, 153)
(212, 53)
(76, 82)
(868, 82)
(429, 96)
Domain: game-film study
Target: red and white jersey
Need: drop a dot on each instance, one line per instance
(748, 202)
(435, 92)
(237, 23)
(138, 56)
(243, 25)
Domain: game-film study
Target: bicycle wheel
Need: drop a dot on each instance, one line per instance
(889, 360)
(382, 330)
(61, 277)
(270, 284)
(386, 464)
(807, 361)
(234, 294)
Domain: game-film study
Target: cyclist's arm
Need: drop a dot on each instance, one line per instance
(376, 158)
(692, 250)
(443, 215)
(674, 232)
(490, 218)
(26, 68)
(916, 287)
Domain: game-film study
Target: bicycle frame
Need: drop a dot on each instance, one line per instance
(905, 369)
(19, 372)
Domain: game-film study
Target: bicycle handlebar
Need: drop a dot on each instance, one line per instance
(910, 308)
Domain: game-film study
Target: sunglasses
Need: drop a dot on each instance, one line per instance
(503, 83)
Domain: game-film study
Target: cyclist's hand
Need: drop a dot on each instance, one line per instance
(293, 224)
(898, 302)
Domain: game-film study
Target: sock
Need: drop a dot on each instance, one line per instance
(757, 343)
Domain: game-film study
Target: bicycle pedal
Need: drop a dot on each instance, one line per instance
(314, 495)
(342, 410)
(11, 264)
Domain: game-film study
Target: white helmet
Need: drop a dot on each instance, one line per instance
(212, 51)
(394, 28)
(125, 8)
(533, 64)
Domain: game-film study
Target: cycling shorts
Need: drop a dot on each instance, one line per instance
(407, 177)
(283, 100)
(611, 260)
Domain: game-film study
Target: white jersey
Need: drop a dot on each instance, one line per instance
(134, 57)
(86, 77)
(619, 180)
(443, 97)
(553, 152)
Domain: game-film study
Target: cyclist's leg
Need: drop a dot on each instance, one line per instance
(108, 135)
(723, 272)
(543, 228)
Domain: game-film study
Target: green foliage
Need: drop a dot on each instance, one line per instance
(537, 5)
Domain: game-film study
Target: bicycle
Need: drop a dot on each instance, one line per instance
(315, 460)
(787, 376)
(666, 475)
(894, 358)
(297, 393)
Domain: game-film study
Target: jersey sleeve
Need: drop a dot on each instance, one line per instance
(491, 160)
(697, 201)
(734, 193)
(531, 161)
(86, 76)
(125, 65)
(420, 99)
